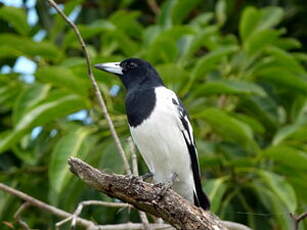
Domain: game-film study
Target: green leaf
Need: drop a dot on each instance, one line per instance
(16, 17)
(287, 155)
(260, 40)
(299, 110)
(24, 46)
(175, 11)
(28, 98)
(202, 20)
(162, 50)
(255, 125)
(64, 77)
(273, 205)
(150, 34)
(286, 59)
(70, 145)
(117, 39)
(216, 188)
(229, 127)
(175, 33)
(127, 22)
(229, 87)
(254, 21)
(208, 63)
(164, 47)
(285, 132)
(201, 39)
(270, 17)
(182, 8)
(281, 188)
(165, 17)
(284, 78)
(166, 71)
(87, 32)
(9, 90)
(263, 109)
(249, 22)
(57, 105)
(287, 43)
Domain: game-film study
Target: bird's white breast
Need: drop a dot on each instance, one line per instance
(161, 143)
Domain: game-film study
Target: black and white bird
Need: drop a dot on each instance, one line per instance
(160, 128)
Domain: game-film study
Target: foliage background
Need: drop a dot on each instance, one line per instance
(239, 66)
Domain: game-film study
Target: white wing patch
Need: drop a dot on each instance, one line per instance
(184, 123)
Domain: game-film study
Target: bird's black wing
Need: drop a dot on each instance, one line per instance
(200, 198)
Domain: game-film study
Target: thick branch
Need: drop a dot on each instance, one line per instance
(147, 197)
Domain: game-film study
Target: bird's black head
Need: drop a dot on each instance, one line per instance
(134, 73)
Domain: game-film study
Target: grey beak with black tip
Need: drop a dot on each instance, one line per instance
(111, 67)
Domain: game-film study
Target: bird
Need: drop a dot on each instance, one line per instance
(160, 128)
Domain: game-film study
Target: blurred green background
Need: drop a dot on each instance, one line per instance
(239, 67)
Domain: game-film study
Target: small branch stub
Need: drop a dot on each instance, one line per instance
(171, 207)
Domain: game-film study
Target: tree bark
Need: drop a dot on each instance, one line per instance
(153, 199)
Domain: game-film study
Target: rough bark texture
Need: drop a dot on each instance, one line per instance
(150, 198)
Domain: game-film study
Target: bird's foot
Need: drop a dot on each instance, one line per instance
(147, 176)
(166, 186)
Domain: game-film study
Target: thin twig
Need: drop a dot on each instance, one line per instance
(132, 150)
(235, 226)
(17, 215)
(132, 226)
(222, 100)
(101, 101)
(153, 6)
(60, 223)
(302, 216)
(37, 203)
(135, 171)
(63, 214)
(82, 204)
(297, 219)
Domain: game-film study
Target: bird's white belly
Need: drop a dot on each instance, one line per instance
(163, 148)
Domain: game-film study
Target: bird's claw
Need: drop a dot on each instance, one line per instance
(147, 176)
(166, 186)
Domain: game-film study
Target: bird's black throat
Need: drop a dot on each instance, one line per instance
(139, 105)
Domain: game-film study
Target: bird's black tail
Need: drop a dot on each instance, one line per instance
(201, 199)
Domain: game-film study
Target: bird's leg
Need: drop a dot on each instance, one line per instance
(147, 176)
(166, 186)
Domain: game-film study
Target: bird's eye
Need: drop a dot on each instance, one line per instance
(132, 65)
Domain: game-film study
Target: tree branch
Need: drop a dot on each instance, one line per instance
(297, 219)
(44, 206)
(67, 216)
(17, 216)
(82, 204)
(98, 94)
(171, 207)
(153, 6)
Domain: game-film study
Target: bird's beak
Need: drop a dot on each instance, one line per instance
(111, 67)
